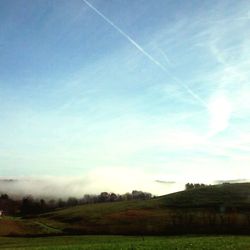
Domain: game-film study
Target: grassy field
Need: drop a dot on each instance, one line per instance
(220, 209)
(126, 243)
(10, 226)
(231, 195)
(213, 209)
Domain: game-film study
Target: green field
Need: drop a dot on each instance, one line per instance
(220, 209)
(214, 209)
(127, 243)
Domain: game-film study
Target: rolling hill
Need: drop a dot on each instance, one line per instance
(226, 195)
(211, 209)
(220, 208)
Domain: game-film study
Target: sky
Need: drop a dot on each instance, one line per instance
(123, 94)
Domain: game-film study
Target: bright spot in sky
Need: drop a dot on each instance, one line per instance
(220, 110)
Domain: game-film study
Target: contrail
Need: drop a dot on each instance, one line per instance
(145, 53)
(165, 56)
(126, 36)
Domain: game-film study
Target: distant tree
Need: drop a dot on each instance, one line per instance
(42, 206)
(190, 186)
(61, 203)
(127, 196)
(51, 204)
(88, 198)
(113, 197)
(139, 195)
(28, 206)
(4, 197)
(104, 196)
(8, 205)
(119, 197)
(72, 201)
(147, 195)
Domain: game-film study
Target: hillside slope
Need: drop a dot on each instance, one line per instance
(212, 209)
(228, 195)
(13, 226)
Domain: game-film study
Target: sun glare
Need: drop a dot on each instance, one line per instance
(220, 111)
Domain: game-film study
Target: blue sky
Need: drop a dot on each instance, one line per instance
(118, 90)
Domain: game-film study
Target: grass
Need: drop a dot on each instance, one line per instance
(127, 243)
(221, 209)
(127, 217)
(230, 195)
(198, 208)
(18, 226)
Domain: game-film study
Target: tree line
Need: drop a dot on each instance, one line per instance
(29, 205)
(190, 186)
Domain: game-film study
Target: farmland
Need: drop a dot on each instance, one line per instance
(221, 209)
(127, 243)
(160, 223)
(213, 209)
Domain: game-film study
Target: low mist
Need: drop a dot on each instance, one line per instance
(119, 181)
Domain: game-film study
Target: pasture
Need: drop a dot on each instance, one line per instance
(127, 243)
(221, 209)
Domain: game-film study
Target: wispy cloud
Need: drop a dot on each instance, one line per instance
(146, 54)
(165, 182)
(178, 103)
(231, 181)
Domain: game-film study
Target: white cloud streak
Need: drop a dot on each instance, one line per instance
(146, 54)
